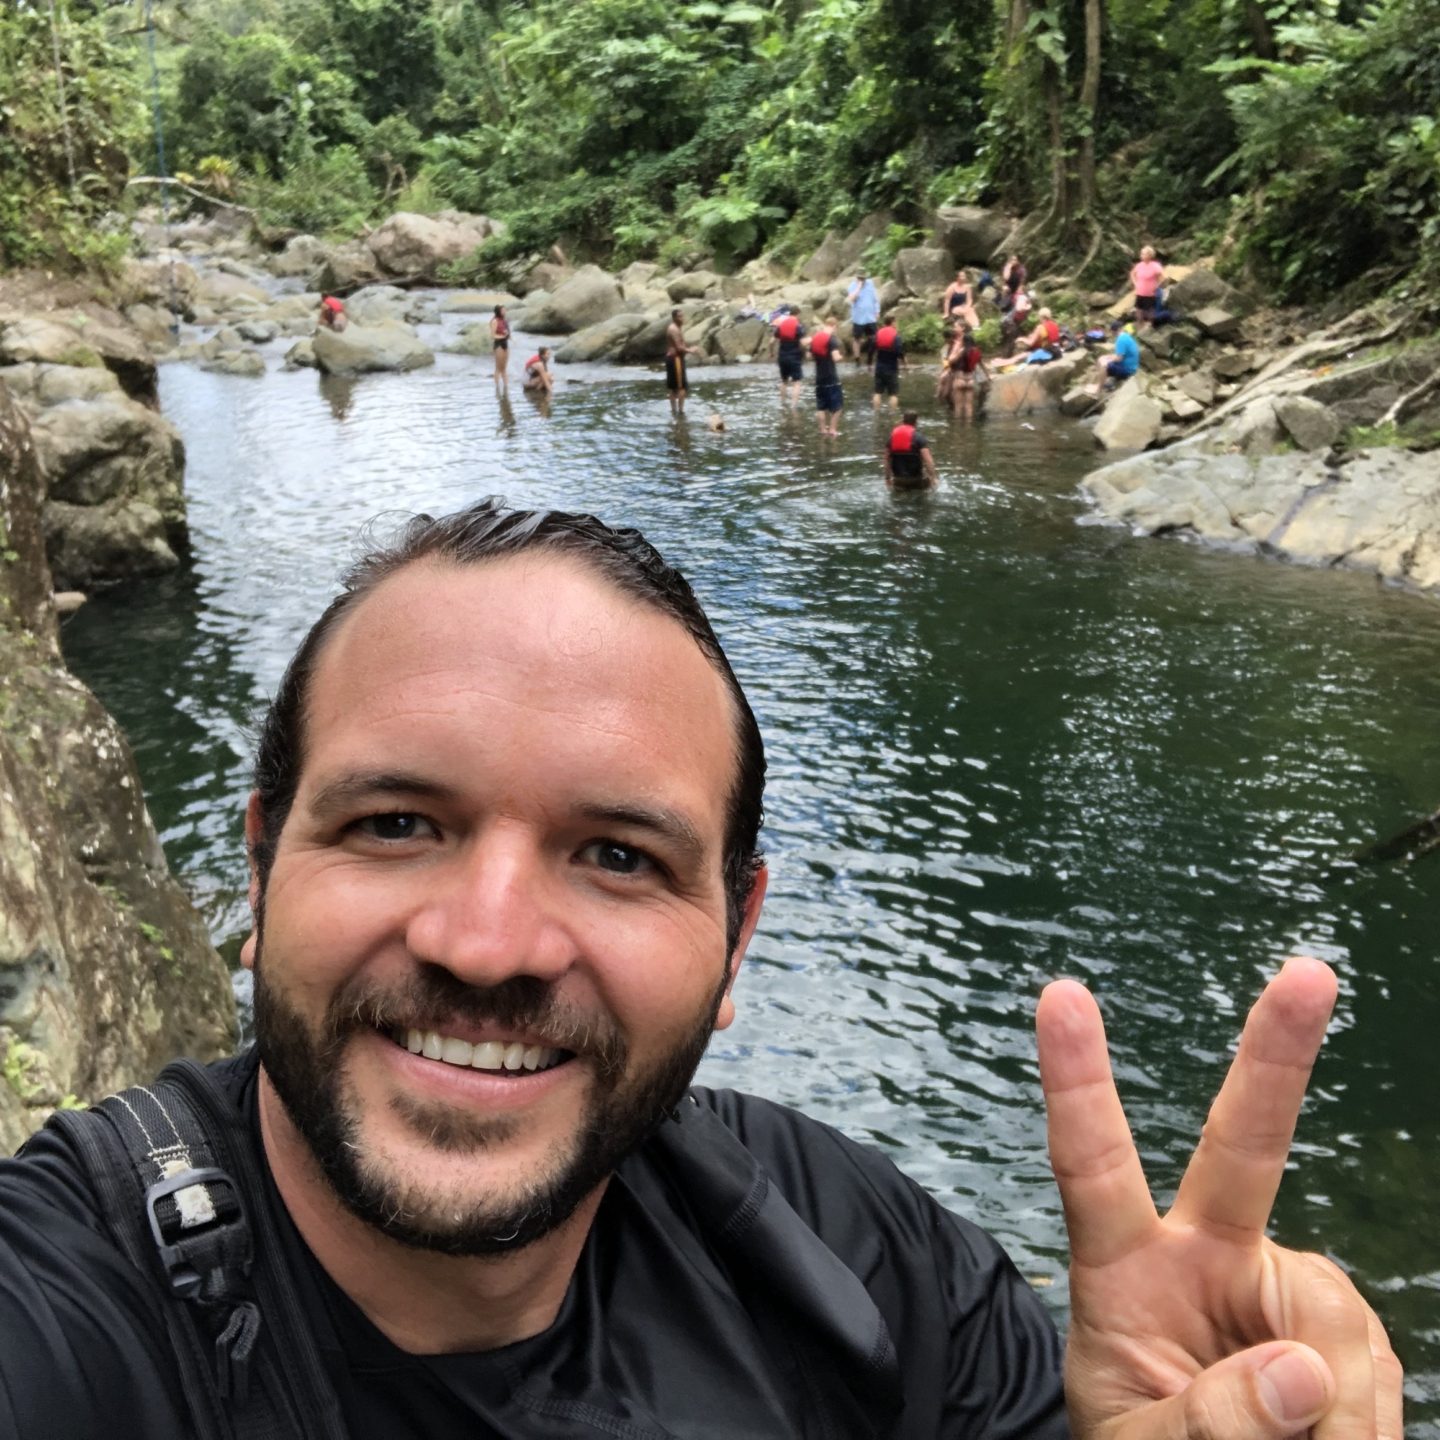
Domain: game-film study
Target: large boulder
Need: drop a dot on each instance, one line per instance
(77, 338)
(474, 302)
(586, 298)
(418, 246)
(1378, 511)
(693, 285)
(1028, 388)
(1200, 286)
(970, 234)
(739, 339)
(379, 305)
(600, 341)
(227, 294)
(647, 343)
(471, 339)
(302, 256)
(1216, 322)
(362, 349)
(924, 269)
(113, 470)
(1131, 420)
(346, 268)
(827, 261)
(165, 281)
(1308, 423)
(106, 971)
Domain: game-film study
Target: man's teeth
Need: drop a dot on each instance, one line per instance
(488, 1055)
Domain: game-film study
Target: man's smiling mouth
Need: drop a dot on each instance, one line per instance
(493, 1055)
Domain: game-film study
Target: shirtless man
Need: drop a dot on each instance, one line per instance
(675, 352)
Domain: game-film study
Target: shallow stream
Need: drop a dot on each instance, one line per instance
(1003, 746)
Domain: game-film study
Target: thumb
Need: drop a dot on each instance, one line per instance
(1272, 1392)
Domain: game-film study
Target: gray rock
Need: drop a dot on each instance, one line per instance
(378, 305)
(161, 281)
(1131, 420)
(1184, 409)
(639, 275)
(1199, 386)
(303, 255)
(1203, 287)
(694, 285)
(418, 246)
(1233, 364)
(1310, 425)
(229, 293)
(258, 332)
(363, 349)
(827, 261)
(853, 246)
(1079, 400)
(587, 297)
(154, 325)
(647, 343)
(1217, 323)
(346, 268)
(301, 356)
(970, 234)
(739, 339)
(924, 269)
(474, 302)
(471, 339)
(40, 386)
(120, 541)
(1380, 511)
(108, 972)
(1254, 429)
(601, 341)
(235, 362)
(94, 451)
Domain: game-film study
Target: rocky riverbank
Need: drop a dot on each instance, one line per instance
(106, 971)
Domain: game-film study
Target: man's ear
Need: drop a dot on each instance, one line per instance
(756, 899)
(253, 830)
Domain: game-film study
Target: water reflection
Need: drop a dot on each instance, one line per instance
(1002, 746)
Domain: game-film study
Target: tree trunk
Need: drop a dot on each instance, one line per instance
(1090, 101)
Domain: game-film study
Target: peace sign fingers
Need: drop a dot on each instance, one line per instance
(1230, 1184)
(1108, 1209)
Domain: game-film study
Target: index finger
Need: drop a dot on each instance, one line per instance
(1230, 1184)
(1108, 1209)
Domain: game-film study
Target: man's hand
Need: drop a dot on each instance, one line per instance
(1195, 1326)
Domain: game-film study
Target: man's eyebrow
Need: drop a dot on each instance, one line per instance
(345, 790)
(670, 825)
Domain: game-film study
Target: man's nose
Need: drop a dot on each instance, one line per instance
(494, 911)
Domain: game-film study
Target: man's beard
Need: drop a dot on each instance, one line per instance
(308, 1072)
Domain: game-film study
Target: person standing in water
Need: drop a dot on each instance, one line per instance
(829, 397)
(909, 464)
(890, 359)
(675, 352)
(967, 372)
(864, 316)
(785, 339)
(500, 344)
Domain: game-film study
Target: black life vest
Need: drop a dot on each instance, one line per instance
(886, 338)
(789, 328)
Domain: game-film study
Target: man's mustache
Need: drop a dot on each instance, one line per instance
(434, 999)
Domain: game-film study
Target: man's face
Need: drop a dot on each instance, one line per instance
(504, 852)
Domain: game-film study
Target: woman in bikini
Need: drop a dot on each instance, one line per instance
(500, 342)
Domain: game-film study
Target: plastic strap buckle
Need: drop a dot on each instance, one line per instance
(184, 1279)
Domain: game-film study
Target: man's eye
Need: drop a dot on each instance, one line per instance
(398, 825)
(618, 859)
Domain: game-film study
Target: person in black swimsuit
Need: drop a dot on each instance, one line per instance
(500, 344)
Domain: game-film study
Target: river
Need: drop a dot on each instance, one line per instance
(1003, 746)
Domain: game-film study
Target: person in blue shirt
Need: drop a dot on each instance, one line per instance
(864, 316)
(1121, 362)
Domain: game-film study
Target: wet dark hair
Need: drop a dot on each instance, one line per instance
(499, 308)
(911, 417)
(488, 530)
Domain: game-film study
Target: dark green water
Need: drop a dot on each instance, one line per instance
(1003, 747)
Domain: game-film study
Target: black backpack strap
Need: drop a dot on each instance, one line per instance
(176, 1176)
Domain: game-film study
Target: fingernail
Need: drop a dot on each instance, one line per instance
(1292, 1388)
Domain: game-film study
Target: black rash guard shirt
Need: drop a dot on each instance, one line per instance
(750, 1274)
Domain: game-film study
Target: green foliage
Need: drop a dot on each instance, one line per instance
(44, 218)
(321, 192)
(879, 255)
(923, 332)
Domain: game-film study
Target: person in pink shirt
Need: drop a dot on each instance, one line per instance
(1146, 277)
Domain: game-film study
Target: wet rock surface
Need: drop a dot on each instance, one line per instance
(106, 971)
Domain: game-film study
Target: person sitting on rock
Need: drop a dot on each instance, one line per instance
(538, 379)
(1120, 363)
(1043, 339)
